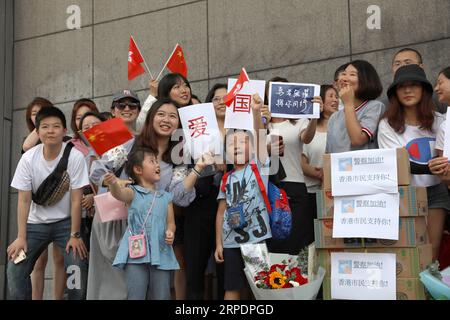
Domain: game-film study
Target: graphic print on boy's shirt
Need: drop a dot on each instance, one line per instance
(256, 227)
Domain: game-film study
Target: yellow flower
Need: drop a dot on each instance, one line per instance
(277, 280)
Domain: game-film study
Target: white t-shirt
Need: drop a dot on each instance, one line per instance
(293, 147)
(33, 169)
(419, 143)
(440, 137)
(314, 152)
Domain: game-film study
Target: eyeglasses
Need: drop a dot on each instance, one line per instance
(217, 99)
(122, 105)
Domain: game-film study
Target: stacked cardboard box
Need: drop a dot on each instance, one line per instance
(412, 250)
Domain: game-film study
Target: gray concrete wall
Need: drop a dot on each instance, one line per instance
(6, 97)
(302, 40)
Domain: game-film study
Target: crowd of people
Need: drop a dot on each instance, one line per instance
(179, 226)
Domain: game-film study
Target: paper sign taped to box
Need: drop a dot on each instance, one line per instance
(369, 216)
(364, 172)
(239, 115)
(200, 129)
(363, 276)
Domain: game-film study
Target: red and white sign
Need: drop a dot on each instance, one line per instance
(200, 129)
(239, 114)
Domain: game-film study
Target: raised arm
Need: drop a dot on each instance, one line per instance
(260, 131)
(104, 165)
(308, 134)
(358, 137)
(30, 141)
(194, 174)
(119, 192)
(153, 86)
(182, 197)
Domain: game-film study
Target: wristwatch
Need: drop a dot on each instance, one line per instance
(75, 235)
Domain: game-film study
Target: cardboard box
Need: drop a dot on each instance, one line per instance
(412, 233)
(413, 202)
(410, 261)
(403, 169)
(407, 289)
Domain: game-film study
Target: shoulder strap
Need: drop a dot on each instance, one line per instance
(261, 186)
(224, 180)
(62, 165)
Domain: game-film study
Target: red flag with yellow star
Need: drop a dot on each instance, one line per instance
(107, 135)
(177, 63)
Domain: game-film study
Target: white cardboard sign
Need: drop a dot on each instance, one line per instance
(363, 276)
(364, 172)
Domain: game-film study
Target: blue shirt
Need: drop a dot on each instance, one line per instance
(256, 215)
(159, 253)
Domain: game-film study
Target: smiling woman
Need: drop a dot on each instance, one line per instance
(412, 122)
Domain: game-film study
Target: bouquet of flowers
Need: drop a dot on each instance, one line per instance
(280, 276)
(291, 275)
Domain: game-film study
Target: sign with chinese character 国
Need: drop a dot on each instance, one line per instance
(363, 276)
(293, 100)
(364, 172)
(200, 128)
(239, 114)
(369, 216)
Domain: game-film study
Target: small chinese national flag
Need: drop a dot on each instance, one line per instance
(107, 135)
(243, 78)
(177, 63)
(134, 61)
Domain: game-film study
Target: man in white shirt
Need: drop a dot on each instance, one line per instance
(39, 225)
(405, 57)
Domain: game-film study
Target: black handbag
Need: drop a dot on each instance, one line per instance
(55, 186)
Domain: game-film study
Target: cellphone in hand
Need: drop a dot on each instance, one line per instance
(22, 256)
(276, 138)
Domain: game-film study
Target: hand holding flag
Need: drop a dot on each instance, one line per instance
(107, 135)
(243, 78)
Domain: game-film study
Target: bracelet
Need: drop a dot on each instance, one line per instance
(196, 172)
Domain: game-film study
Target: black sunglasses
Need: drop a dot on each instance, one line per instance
(122, 105)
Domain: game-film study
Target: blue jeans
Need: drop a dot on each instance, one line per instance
(39, 236)
(147, 282)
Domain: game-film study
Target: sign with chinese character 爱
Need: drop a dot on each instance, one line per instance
(239, 115)
(363, 276)
(293, 100)
(200, 129)
(368, 216)
(364, 172)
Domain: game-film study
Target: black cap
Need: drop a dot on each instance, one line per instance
(410, 72)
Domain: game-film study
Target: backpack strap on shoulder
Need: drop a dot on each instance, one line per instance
(261, 186)
(224, 180)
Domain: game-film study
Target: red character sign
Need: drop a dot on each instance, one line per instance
(198, 127)
(242, 103)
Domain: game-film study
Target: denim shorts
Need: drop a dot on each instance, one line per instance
(438, 197)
